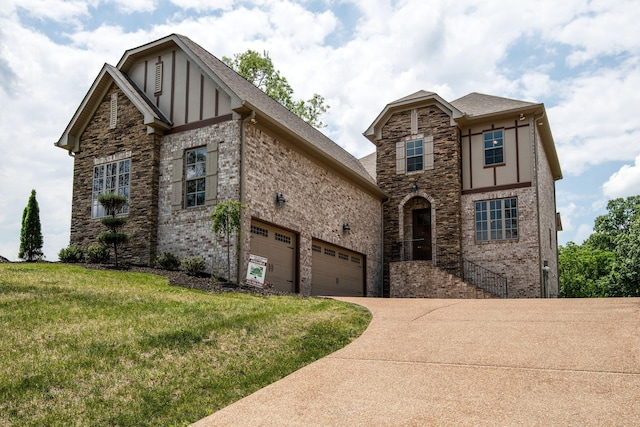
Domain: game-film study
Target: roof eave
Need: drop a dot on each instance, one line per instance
(265, 120)
(373, 132)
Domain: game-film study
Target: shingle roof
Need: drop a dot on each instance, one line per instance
(478, 104)
(249, 93)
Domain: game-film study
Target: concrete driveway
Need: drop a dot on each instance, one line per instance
(466, 362)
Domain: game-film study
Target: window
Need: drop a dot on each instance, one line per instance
(493, 148)
(497, 220)
(110, 178)
(415, 159)
(194, 177)
(196, 171)
(415, 155)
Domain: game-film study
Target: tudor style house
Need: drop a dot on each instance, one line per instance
(458, 196)
(471, 187)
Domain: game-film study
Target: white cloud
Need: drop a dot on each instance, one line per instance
(395, 48)
(625, 182)
(584, 231)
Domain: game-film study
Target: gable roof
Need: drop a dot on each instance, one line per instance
(108, 75)
(416, 99)
(247, 99)
(477, 104)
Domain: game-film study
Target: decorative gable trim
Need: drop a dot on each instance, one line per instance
(108, 76)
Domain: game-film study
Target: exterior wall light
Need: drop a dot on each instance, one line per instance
(414, 187)
(345, 228)
(280, 200)
(522, 117)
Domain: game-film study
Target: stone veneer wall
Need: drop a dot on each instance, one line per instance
(420, 279)
(319, 201)
(99, 141)
(187, 232)
(441, 186)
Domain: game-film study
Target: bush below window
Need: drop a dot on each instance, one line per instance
(97, 254)
(194, 266)
(168, 261)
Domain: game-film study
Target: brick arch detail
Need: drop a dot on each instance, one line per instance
(401, 215)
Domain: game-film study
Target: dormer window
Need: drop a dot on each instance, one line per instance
(415, 156)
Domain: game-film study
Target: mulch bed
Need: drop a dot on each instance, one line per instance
(202, 283)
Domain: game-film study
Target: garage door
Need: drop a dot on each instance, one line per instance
(279, 247)
(336, 271)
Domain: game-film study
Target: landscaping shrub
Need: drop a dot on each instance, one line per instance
(193, 266)
(168, 261)
(71, 254)
(97, 254)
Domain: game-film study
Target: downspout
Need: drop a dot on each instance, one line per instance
(243, 121)
(535, 157)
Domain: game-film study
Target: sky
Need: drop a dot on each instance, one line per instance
(580, 58)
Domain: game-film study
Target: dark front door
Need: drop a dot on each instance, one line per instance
(422, 234)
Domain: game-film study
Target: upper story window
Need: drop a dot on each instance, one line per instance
(493, 147)
(415, 153)
(110, 178)
(497, 219)
(196, 172)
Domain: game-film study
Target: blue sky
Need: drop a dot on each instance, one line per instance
(580, 58)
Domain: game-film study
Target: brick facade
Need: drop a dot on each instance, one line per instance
(186, 232)
(319, 202)
(98, 142)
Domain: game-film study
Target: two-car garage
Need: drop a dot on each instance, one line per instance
(335, 270)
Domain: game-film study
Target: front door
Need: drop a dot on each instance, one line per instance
(422, 234)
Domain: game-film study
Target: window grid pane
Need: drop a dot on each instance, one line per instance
(493, 147)
(496, 220)
(196, 171)
(110, 178)
(415, 155)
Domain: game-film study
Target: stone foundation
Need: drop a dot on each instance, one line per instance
(420, 279)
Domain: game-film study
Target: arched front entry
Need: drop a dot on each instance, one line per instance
(417, 225)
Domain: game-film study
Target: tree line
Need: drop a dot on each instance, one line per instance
(607, 264)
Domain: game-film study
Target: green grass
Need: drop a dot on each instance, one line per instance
(87, 347)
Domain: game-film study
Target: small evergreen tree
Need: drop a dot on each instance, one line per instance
(113, 204)
(31, 241)
(227, 218)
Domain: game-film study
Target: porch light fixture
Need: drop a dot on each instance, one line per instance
(280, 200)
(345, 228)
(414, 187)
(522, 117)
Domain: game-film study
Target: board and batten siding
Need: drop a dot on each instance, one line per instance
(187, 95)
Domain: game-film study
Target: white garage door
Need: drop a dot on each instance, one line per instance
(336, 271)
(279, 247)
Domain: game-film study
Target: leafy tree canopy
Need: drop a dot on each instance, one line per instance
(608, 263)
(259, 70)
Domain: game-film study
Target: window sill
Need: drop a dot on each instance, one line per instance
(495, 165)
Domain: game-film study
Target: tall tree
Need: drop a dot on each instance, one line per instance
(31, 240)
(617, 221)
(227, 219)
(259, 70)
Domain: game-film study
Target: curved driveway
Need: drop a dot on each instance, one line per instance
(466, 362)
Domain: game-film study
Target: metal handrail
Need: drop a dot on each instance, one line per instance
(454, 264)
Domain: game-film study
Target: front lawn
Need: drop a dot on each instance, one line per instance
(89, 347)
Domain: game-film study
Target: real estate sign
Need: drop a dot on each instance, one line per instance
(256, 270)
